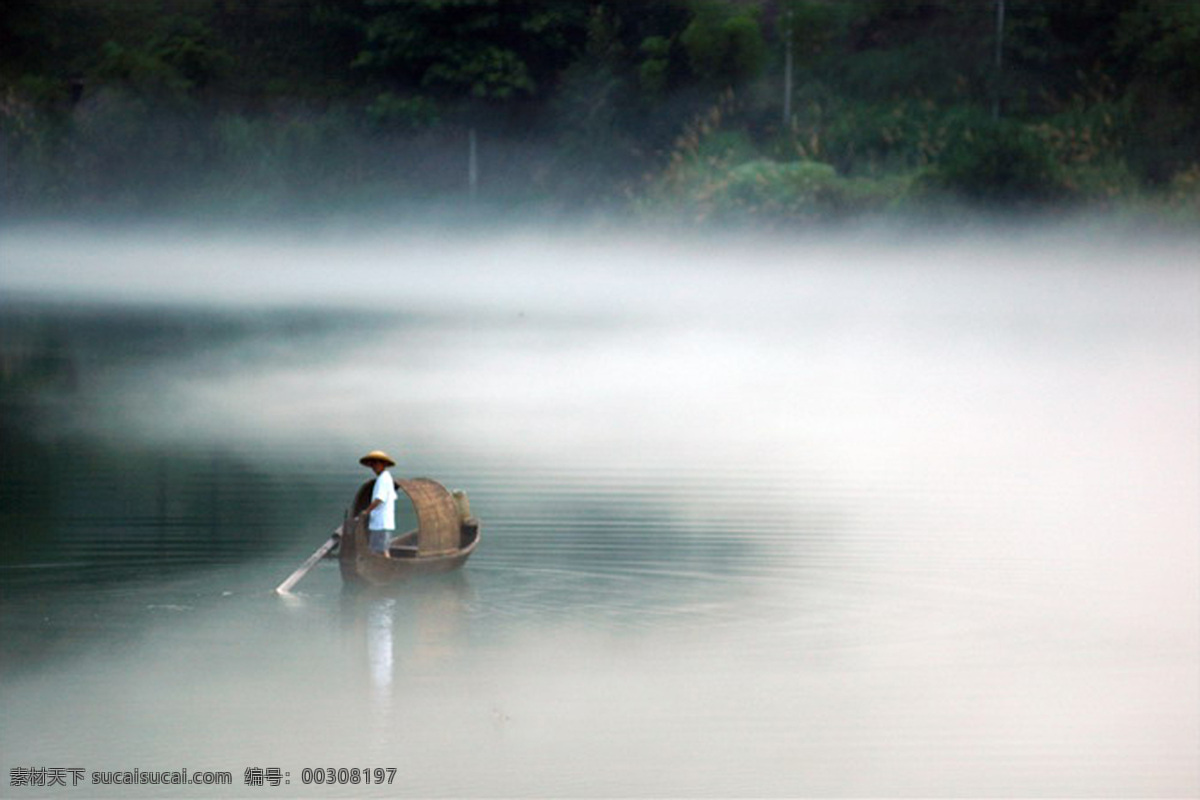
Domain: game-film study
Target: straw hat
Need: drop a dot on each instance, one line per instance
(377, 455)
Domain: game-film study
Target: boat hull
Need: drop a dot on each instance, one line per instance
(360, 565)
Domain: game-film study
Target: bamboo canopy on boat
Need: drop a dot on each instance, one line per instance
(445, 537)
(439, 517)
(438, 525)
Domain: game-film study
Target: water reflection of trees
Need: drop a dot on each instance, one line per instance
(119, 505)
(121, 511)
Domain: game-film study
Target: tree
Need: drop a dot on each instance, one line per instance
(477, 49)
(724, 43)
(1160, 42)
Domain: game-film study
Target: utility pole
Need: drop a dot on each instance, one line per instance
(787, 69)
(472, 165)
(999, 60)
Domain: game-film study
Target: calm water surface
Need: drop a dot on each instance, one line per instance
(877, 516)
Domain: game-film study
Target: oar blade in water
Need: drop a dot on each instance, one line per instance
(295, 577)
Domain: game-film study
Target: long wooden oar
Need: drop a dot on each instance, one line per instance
(295, 577)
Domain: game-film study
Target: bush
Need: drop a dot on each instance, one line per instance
(1183, 193)
(1000, 164)
(771, 187)
(800, 191)
(770, 192)
(1100, 183)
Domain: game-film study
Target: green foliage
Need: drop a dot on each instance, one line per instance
(594, 151)
(480, 72)
(795, 188)
(171, 64)
(654, 71)
(773, 192)
(140, 104)
(812, 26)
(1183, 194)
(891, 49)
(1087, 140)
(875, 138)
(139, 69)
(188, 51)
(41, 91)
(724, 44)
(716, 172)
(1161, 43)
(477, 49)
(1001, 164)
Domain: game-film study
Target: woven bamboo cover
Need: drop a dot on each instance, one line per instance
(437, 515)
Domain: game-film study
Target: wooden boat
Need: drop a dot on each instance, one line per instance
(445, 537)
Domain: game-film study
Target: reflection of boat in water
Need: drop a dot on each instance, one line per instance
(397, 633)
(445, 537)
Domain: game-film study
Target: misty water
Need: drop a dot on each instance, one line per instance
(884, 513)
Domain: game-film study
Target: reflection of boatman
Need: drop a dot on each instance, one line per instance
(381, 513)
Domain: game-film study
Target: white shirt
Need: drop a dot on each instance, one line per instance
(383, 518)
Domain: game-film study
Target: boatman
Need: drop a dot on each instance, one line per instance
(381, 513)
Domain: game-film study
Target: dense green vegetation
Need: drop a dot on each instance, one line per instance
(792, 110)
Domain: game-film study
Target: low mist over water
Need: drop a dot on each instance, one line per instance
(881, 513)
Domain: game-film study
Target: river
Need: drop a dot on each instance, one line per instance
(876, 513)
